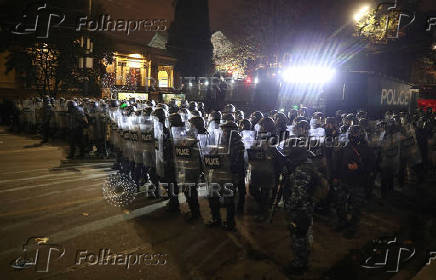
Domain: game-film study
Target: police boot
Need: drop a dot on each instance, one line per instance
(296, 268)
(173, 203)
(229, 225)
(241, 205)
(214, 205)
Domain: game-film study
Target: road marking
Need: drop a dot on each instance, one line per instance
(53, 206)
(86, 187)
(57, 175)
(89, 177)
(47, 216)
(62, 236)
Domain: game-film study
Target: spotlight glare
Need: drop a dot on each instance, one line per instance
(308, 74)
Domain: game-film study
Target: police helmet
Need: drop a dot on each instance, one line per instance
(71, 104)
(184, 104)
(239, 115)
(267, 125)
(304, 124)
(281, 121)
(173, 109)
(228, 117)
(198, 123)
(193, 106)
(147, 111)
(330, 120)
(176, 120)
(216, 116)
(230, 125)
(196, 113)
(229, 108)
(361, 114)
(150, 103)
(115, 103)
(255, 117)
(245, 124)
(356, 134)
(160, 114)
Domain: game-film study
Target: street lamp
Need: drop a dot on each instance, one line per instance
(361, 13)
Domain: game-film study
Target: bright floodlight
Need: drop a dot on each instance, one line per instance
(361, 13)
(308, 74)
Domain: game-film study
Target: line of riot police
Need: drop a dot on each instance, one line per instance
(307, 163)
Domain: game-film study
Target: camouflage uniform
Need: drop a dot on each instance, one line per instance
(299, 196)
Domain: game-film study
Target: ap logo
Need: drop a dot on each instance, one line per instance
(38, 20)
(39, 254)
(398, 17)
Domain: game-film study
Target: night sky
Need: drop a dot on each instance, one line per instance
(220, 10)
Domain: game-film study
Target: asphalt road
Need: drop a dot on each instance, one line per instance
(45, 196)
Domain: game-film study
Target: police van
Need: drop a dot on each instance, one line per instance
(375, 93)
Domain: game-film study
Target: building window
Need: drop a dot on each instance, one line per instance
(163, 79)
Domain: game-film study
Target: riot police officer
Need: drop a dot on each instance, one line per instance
(229, 109)
(47, 116)
(239, 116)
(187, 162)
(355, 164)
(347, 121)
(303, 187)
(255, 117)
(173, 108)
(224, 170)
(265, 163)
(213, 126)
(78, 122)
(281, 122)
(201, 108)
(193, 106)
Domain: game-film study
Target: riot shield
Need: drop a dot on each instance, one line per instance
(186, 155)
(409, 150)
(213, 129)
(114, 137)
(343, 139)
(261, 163)
(135, 139)
(160, 144)
(216, 164)
(123, 130)
(148, 142)
(57, 114)
(248, 137)
(28, 113)
(390, 152)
